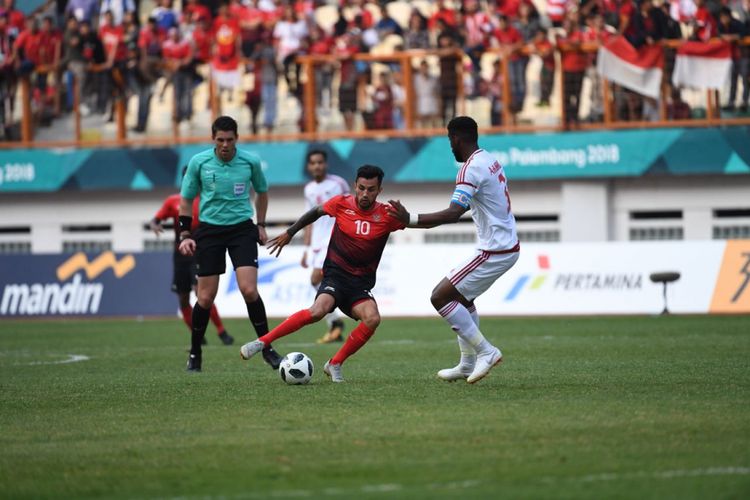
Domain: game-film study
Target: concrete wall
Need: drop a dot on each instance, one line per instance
(597, 210)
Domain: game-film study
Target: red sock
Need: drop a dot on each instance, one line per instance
(357, 339)
(216, 319)
(187, 316)
(289, 325)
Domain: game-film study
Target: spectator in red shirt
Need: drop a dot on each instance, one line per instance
(345, 47)
(574, 64)
(443, 12)
(27, 47)
(193, 12)
(544, 49)
(226, 52)
(202, 39)
(382, 100)
(704, 24)
(16, 18)
(150, 42)
(178, 58)
(322, 44)
(252, 26)
(595, 32)
(477, 27)
(510, 42)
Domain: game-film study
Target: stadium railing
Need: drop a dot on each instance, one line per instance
(705, 105)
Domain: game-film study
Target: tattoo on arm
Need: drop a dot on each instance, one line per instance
(307, 218)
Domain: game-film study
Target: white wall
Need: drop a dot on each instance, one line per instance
(587, 211)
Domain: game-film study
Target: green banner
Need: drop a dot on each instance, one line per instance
(570, 155)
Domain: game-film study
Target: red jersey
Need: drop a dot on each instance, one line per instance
(170, 209)
(226, 32)
(113, 38)
(358, 236)
(31, 45)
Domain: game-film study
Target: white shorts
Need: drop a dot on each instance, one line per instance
(227, 79)
(316, 257)
(475, 275)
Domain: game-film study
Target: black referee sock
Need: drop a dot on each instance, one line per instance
(256, 311)
(200, 322)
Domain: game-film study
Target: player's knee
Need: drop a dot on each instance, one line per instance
(249, 293)
(437, 300)
(317, 313)
(205, 301)
(372, 320)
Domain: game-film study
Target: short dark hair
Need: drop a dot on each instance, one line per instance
(316, 152)
(370, 172)
(465, 127)
(225, 124)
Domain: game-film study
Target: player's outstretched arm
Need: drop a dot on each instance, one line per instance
(276, 244)
(425, 221)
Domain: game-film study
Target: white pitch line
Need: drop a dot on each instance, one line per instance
(667, 474)
(72, 358)
(385, 488)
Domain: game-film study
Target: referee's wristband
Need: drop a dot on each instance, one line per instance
(184, 235)
(261, 224)
(185, 222)
(413, 219)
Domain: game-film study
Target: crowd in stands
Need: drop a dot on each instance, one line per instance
(112, 48)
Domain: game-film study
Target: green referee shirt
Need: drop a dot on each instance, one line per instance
(224, 188)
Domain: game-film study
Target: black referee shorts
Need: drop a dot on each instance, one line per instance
(212, 242)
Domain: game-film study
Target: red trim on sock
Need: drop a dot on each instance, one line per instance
(187, 316)
(289, 325)
(216, 319)
(356, 340)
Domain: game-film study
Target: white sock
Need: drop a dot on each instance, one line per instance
(461, 322)
(468, 354)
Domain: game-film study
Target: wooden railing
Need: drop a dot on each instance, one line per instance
(405, 59)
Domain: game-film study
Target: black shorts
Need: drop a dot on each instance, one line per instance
(183, 274)
(212, 243)
(347, 99)
(346, 289)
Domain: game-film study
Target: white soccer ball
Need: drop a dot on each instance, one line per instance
(296, 368)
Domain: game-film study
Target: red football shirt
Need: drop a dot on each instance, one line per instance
(170, 209)
(358, 237)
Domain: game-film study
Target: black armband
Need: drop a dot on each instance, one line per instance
(185, 222)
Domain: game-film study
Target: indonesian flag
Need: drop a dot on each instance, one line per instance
(703, 65)
(636, 69)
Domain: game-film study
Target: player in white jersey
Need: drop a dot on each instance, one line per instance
(481, 186)
(319, 190)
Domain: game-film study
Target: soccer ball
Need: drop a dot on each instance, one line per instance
(296, 368)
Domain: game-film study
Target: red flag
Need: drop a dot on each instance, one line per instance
(637, 69)
(703, 65)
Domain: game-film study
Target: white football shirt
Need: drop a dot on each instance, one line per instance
(317, 193)
(482, 186)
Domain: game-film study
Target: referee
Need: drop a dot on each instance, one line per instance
(223, 177)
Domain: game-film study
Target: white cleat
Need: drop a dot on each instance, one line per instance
(484, 364)
(458, 372)
(250, 349)
(333, 372)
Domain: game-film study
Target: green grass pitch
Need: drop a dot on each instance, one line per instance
(607, 407)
